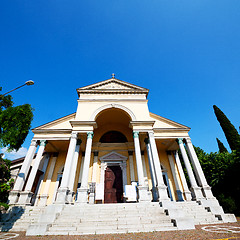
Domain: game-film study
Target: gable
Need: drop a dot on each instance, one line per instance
(113, 156)
(164, 123)
(112, 85)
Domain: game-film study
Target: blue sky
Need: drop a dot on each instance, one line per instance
(185, 52)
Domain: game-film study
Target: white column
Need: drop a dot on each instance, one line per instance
(152, 171)
(142, 189)
(95, 166)
(131, 166)
(72, 176)
(25, 197)
(187, 193)
(196, 190)
(174, 173)
(44, 195)
(145, 177)
(62, 191)
(83, 190)
(198, 169)
(44, 168)
(162, 188)
(81, 168)
(18, 186)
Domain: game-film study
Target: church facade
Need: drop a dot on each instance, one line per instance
(112, 150)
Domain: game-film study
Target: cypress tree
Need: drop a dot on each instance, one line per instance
(221, 147)
(229, 130)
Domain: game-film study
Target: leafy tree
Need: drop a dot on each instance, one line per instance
(15, 123)
(229, 130)
(221, 147)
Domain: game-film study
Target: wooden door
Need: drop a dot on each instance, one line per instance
(113, 189)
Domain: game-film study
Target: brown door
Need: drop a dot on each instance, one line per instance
(113, 189)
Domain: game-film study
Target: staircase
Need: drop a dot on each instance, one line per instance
(198, 213)
(110, 218)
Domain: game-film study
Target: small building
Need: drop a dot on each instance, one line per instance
(113, 150)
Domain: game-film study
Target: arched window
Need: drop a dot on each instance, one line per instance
(113, 137)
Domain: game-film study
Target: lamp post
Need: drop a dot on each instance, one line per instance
(28, 83)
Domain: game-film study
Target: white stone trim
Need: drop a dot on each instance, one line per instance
(109, 106)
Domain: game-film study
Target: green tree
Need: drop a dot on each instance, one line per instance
(15, 123)
(229, 130)
(221, 147)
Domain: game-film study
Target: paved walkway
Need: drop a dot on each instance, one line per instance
(209, 232)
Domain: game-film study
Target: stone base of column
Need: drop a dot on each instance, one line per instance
(82, 195)
(13, 197)
(188, 195)
(144, 194)
(91, 198)
(197, 193)
(25, 198)
(70, 196)
(208, 192)
(43, 200)
(162, 193)
(61, 196)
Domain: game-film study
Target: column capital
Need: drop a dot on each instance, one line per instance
(43, 143)
(188, 140)
(74, 135)
(90, 134)
(151, 133)
(55, 154)
(95, 153)
(33, 142)
(179, 140)
(135, 134)
(130, 153)
(169, 152)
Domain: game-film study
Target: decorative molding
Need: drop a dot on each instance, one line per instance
(141, 123)
(49, 131)
(113, 156)
(83, 123)
(109, 106)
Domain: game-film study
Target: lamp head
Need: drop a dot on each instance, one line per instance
(29, 82)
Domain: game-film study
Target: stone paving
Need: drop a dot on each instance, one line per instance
(216, 231)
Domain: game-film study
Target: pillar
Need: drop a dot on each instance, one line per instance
(25, 197)
(132, 174)
(95, 166)
(83, 190)
(145, 177)
(21, 178)
(44, 195)
(174, 173)
(162, 188)
(198, 170)
(187, 193)
(152, 171)
(194, 187)
(142, 189)
(72, 176)
(63, 189)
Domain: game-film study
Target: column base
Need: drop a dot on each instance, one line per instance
(197, 193)
(25, 198)
(162, 193)
(144, 194)
(13, 197)
(82, 195)
(188, 195)
(91, 198)
(70, 196)
(43, 200)
(61, 196)
(208, 192)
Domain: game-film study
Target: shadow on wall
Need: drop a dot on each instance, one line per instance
(8, 219)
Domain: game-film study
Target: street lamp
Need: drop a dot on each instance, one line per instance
(28, 83)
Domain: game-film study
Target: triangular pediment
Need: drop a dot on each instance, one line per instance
(164, 123)
(112, 85)
(113, 156)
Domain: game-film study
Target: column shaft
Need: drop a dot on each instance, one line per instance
(196, 190)
(95, 166)
(132, 174)
(162, 188)
(186, 191)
